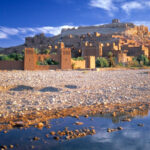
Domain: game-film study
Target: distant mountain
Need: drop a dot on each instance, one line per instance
(14, 49)
(1, 48)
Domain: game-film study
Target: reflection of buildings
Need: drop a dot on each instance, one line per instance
(127, 114)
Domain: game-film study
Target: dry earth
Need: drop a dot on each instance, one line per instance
(23, 92)
(38, 90)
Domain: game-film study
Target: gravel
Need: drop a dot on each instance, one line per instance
(38, 90)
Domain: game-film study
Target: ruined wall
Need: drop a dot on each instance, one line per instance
(31, 59)
(11, 65)
(63, 57)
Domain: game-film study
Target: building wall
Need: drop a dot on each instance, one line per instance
(92, 51)
(78, 64)
(42, 57)
(11, 65)
(46, 67)
(123, 58)
(90, 62)
(65, 58)
(30, 59)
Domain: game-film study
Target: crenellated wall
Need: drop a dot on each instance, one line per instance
(63, 57)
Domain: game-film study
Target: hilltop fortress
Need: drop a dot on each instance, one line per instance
(114, 28)
(124, 40)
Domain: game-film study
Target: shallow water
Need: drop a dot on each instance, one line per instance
(132, 137)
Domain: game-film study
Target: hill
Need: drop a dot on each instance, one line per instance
(75, 37)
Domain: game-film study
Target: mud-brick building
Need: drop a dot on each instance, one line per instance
(63, 58)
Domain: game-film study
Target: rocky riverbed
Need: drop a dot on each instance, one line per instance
(35, 91)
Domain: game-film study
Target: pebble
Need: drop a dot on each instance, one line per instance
(3, 147)
(52, 133)
(141, 125)
(40, 125)
(114, 129)
(36, 138)
(56, 138)
(78, 123)
(11, 146)
(102, 87)
(126, 119)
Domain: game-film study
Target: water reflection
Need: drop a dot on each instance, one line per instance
(120, 116)
(132, 137)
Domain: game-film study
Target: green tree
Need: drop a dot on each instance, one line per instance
(4, 57)
(16, 56)
(142, 59)
(37, 51)
(102, 62)
(111, 59)
(47, 51)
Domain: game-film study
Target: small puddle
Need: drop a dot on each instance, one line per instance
(134, 134)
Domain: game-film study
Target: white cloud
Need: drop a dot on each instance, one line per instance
(52, 30)
(5, 32)
(9, 31)
(132, 134)
(112, 5)
(131, 5)
(104, 4)
(147, 3)
(3, 35)
(102, 137)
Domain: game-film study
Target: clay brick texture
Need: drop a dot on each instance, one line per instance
(11, 65)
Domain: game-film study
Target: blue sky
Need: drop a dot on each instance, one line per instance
(22, 18)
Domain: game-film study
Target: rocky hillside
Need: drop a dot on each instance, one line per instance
(73, 38)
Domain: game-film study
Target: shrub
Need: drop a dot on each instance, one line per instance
(78, 58)
(111, 59)
(47, 51)
(102, 62)
(51, 62)
(15, 56)
(121, 64)
(54, 53)
(37, 51)
(47, 62)
(5, 57)
(134, 63)
(143, 60)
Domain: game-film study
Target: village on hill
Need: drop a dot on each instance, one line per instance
(79, 76)
(122, 44)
